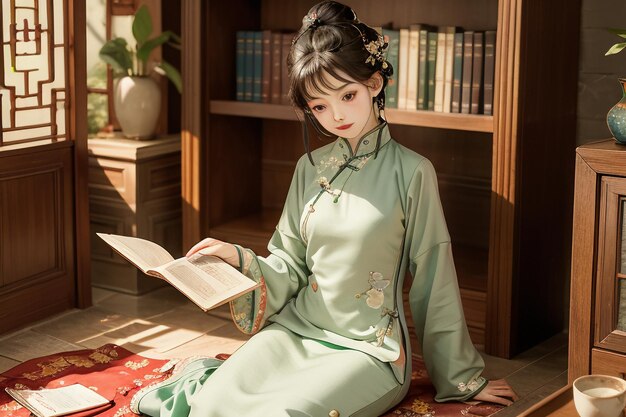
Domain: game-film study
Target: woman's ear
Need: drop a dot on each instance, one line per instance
(375, 84)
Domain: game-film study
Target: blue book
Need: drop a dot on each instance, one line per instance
(239, 64)
(248, 72)
(392, 37)
(257, 68)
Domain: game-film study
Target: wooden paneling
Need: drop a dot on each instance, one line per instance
(36, 236)
(135, 192)
(608, 363)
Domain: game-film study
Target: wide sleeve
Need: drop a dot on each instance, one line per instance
(282, 273)
(453, 363)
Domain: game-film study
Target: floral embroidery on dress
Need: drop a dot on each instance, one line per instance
(472, 385)
(375, 295)
(247, 320)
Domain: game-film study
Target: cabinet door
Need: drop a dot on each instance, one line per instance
(610, 301)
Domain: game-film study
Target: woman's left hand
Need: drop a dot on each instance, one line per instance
(497, 391)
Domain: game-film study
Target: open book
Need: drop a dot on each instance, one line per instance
(208, 281)
(52, 402)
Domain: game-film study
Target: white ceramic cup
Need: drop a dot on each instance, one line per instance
(599, 396)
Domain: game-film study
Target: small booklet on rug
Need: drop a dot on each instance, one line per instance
(51, 402)
(208, 281)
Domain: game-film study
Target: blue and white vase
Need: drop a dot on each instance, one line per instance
(616, 117)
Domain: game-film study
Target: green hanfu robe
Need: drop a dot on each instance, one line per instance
(329, 327)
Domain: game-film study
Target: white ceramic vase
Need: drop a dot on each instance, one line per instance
(137, 102)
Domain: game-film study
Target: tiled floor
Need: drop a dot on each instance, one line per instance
(164, 324)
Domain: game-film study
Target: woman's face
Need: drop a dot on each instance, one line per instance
(346, 109)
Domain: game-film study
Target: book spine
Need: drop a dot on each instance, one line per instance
(248, 74)
(403, 70)
(267, 69)
(422, 71)
(257, 75)
(430, 73)
(490, 49)
(391, 91)
(411, 93)
(275, 83)
(458, 73)
(440, 69)
(286, 47)
(240, 48)
(466, 84)
(477, 74)
(449, 67)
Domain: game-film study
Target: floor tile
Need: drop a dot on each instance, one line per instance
(145, 306)
(226, 339)
(31, 344)
(144, 335)
(534, 397)
(83, 324)
(6, 364)
(538, 373)
(99, 294)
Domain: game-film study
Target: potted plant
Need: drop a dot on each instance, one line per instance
(616, 117)
(137, 97)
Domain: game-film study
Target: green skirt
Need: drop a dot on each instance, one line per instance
(276, 373)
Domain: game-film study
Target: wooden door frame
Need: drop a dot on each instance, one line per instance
(77, 71)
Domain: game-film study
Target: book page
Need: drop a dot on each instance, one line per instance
(144, 254)
(206, 280)
(58, 401)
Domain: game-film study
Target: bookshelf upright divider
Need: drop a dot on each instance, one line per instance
(505, 180)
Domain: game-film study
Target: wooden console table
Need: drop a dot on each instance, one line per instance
(134, 190)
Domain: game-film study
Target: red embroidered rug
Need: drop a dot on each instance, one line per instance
(117, 374)
(112, 371)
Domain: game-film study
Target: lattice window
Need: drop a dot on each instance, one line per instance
(33, 77)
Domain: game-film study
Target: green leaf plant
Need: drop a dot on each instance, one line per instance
(126, 60)
(620, 45)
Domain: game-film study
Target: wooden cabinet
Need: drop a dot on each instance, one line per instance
(134, 190)
(505, 180)
(598, 291)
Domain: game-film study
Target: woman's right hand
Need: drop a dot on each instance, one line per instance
(214, 247)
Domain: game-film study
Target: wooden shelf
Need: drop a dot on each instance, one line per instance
(456, 121)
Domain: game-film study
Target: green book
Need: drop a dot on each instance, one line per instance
(257, 69)
(239, 64)
(430, 71)
(392, 37)
(422, 73)
(457, 73)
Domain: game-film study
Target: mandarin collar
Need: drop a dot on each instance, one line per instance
(367, 144)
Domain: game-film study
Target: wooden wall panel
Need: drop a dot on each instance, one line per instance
(36, 235)
(32, 224)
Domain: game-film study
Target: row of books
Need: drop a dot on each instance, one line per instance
(440, 69)
(261, 61)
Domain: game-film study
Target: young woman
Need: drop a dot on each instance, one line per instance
(330, 335)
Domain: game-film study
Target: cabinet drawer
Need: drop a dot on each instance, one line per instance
(608, 363)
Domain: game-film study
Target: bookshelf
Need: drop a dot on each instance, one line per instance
(506, 181)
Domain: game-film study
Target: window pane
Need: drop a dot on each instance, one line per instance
(97, 112)
(96, 37)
